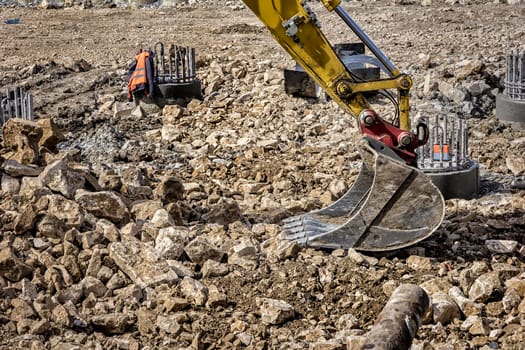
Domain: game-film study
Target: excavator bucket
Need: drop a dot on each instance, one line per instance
(390, 206)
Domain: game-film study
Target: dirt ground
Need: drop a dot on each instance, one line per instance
(72, 59)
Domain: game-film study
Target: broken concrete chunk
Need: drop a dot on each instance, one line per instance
(108, 230)
(194, 291)
(162, 219)
(11, 267)
(141, 263)
(112, 323)
(467, 306)
(145, 209)
(419, 263)
(16, 169)
(280, 249)
(275, 311)
(10, 184)
(104, 204)
(21, 137)
(169, 324)
(212, 268)
(200, 249)
(170, 242)
(50, 226)
(501, 246)
(246, 248)
(444, 309)
(33, 188)
(475, 325)
(170, 189)
(26, 219)
(65, 210)
(216, 297)
(51, 135)
(484, 286)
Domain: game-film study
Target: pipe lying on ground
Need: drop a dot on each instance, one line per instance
(398, 322)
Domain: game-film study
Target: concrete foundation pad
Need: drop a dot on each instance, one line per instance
(510, 111)
(463, 183)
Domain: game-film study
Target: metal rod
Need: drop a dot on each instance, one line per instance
(171, 53)
(177, 69)
(522, 78)
(15, 100)
(30, 106)
(23, 106)
(193, 70)
(366, 40)
(2, 109)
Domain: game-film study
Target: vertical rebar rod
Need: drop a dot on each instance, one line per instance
(30, 106)
(193, 70)
(177, 62)
(516, 74)
(522, 77)
(15, 102)
(507, 73)
(2, 109)
(23, 106)
(170, 67)
(451, 141)
(185, 65)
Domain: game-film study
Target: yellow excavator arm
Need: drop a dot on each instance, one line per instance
(391, 204)
(295, 27)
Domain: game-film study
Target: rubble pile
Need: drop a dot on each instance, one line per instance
(127, 227)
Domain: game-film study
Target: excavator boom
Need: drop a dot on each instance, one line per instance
(391, 204)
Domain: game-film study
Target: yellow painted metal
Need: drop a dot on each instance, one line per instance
(297, 31)
(331, 4)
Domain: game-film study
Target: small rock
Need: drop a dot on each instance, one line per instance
(21, 137)
(141, 263)
(168, 324)
(112, 323)
(170, 242)
(10, 184)
(274, 312)
(11, 267)
(419, 263)
(200, 249)
(194, 291)
(162, 219)
(444, 309)
(15, 169)
(501, 246)
(93, 285)
(212, 268)
(104, 204)
(467, 306)
(216, 297)
(484, 286)
(475, 325)
(58, 177)
(452, 93)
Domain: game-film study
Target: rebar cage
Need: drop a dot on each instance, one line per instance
(515, 75)
(15, 103)
(447, 147)
(175, 65)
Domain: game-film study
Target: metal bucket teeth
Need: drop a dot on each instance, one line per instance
(390, 206)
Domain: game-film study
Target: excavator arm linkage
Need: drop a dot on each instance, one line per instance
(391, 204)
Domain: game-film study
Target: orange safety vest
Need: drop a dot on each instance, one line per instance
(139, 74)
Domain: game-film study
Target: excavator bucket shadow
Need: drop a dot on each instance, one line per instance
(390, 206)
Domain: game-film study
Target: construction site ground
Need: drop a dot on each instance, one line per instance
(248, 155)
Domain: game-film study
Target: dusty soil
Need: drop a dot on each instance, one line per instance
(71, 60)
